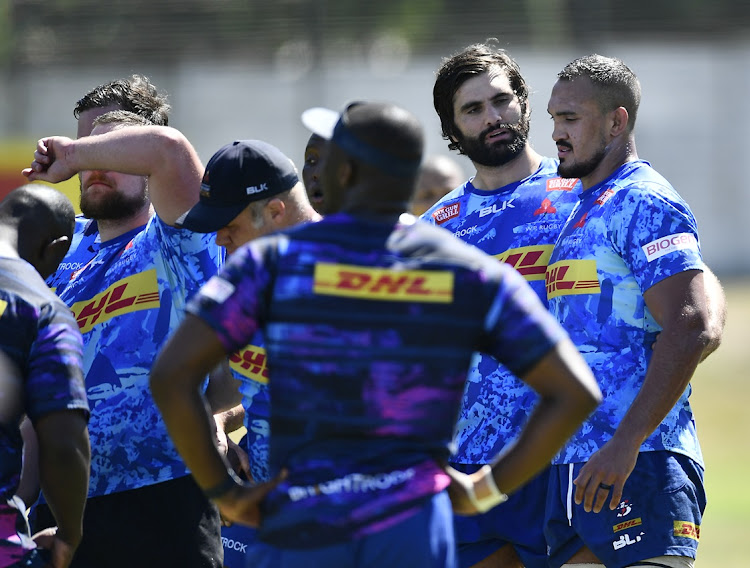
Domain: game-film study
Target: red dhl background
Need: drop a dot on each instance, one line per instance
(16, 155)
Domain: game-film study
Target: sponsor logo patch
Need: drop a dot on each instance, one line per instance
(569, 277)
(545, 207)
(530, 262)
(446, 213)
(495, 209)
(250, 362)
(671, 243)
(687, 530)
(561, 184)
(217, 289)
(627, 524)
(604, 197)
(625, 540)
(383, 284)
(134, 293)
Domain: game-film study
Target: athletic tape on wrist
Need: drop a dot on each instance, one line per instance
(493, 499)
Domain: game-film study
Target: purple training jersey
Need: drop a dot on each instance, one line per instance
(369, 331)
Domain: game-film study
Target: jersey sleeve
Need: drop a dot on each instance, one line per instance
(55, 373)
(520, 330)
(655, 234)
(232, 301)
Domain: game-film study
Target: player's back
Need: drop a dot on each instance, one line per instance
(369, 333)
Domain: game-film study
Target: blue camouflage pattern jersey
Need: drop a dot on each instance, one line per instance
(628, 233)
(369, 333)
(518, 224)
(127, 300)
(39, 335)
(83, 247)
(249, 366)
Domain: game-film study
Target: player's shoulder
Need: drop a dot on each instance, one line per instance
(440, 210)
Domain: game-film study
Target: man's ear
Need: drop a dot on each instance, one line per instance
(275, 210)
(345, 173)
(51, 255)
(620, 118)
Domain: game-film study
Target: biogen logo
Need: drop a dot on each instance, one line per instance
(250, 362)
(134, 293)
(530, 262)
(571, 277)
(446, 213)
(561, 184)
(687, 530)
(627, 525)
(383, 283)
(665, 245)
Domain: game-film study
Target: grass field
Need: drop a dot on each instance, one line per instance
(721, 401)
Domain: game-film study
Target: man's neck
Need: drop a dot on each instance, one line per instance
(617, 155)
(522, 166)
(111, 229)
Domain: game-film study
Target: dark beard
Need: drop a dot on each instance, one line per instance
(582, 169)
(114, 208)
(498, 153)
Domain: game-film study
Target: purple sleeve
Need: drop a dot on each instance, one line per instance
(520, 329)
(55, 375)
(232, 301)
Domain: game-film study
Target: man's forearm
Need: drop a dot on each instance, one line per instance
(64, 462)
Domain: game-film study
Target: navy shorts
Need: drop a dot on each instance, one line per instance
(424, 539)
(519, 522)
(659, 515)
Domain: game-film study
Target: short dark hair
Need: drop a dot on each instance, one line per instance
(123, 117)
(471, 61)
(616, 83)
(135, 94)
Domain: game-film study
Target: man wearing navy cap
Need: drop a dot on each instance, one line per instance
(249, 189)
(370, 320)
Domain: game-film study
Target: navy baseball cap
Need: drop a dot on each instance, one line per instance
(236, 175)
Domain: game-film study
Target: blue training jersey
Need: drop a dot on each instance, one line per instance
(249, 366)
(127, 300)
(369, 333)
(626, 234)
(518, 224)
(83, 247)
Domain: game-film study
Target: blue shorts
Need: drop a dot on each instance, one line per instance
(519, 522)
(425, 539)
(659, 515)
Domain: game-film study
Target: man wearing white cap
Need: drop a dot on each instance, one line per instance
(370, 320)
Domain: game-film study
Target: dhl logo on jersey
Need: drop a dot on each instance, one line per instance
(137, 292)
(561, 184)
(3, 305)
(383, 284)
(568, 277)
(530, 262)
(627, 524)
(251, 362)
(687, 530)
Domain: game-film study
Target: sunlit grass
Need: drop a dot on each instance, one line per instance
(721, 401)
